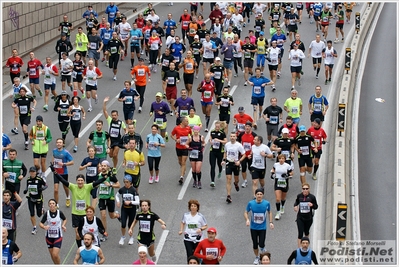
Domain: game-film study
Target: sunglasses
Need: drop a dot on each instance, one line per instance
(305, 188)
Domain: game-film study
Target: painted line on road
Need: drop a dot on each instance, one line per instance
(161, 243)
(69, 252)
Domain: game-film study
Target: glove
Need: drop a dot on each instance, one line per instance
(52, 167)
(273, 176)
(323, 142)
(284, 175)
(268, 59)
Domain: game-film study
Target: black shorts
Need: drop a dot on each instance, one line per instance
(115, 142)
(305, 160)
(339, 25)
(39, 207)
(135, 49)
(49, 86)
(292, 28)
(24, 120)
(316, 60)
(232, 168)
(188, 78)
(104, 203)
(91, 88)
(128, 114)
(318, 154)
(198, 60)
(349, 10)
(282, 189)
(273, 67)
(257, 173)
(281, 53)
(56, 181)
(257, 101)
(210, 60)
(200, 158)
(66, 78)
(316, 116)
(38, 156)
(76, 219)
(296, 69)
(78, 78)
(113, 61)
(316, 18)
(193, 8)
(248, 63)
(181, 152)
(331, 66)
(224, 117)
(83, 53)
(272, 129)
(54, 242)
(146, 240)
(105, 47)
(246, 164)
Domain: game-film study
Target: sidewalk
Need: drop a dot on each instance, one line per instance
(48, 49)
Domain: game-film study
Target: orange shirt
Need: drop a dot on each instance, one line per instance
(188, 65)
(139, 73)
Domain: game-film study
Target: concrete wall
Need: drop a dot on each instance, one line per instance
(29, 25)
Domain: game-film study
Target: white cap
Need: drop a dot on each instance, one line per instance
(196, 37)
(285, 131)
(142, 249)
(218, 58)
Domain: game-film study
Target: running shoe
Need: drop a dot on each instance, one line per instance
(235, 75)
(34, 230)
(122, 241)
(107, 64)
(278, 215)
(131, 241)
(314, 176)
(68, 202)
(219, 175)
(114, 78)
(299, 82)
(26, 145)
(45, 108)
(114, 171)
(157, 179)
(282, 210)
(206, 130)
(181, 180)
(89, 109)
(317, 76)
(326, 82)
(273, 89)
(212, 184)
(245, 84)
(139, 109)
(154, 258)
(256, 261)
(263, 250)
(236, 186)
(96, 100)
(199, 185)
(40, 92)
(14, 130)
(171, 113)
(195, 184)
(228, 199)
(75, 149)
(71, 88)
(103, 59)
(151, 180)
(244, 184)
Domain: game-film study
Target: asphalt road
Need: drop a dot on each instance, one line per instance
(168, 198)
(378, 135)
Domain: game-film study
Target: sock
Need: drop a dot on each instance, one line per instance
(79, 243)
(199, 176)
(26, 136)
(132, 62)
(282, 202)
(318, 70)
(278, 206)
(316, 167)
(68, 197)
(89, 101)
(207, 119)
(63, 135)
(194, 176)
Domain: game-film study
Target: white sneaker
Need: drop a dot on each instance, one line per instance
(244, 184)
(131, 240)
(122, 241)
(282, 210)
(256, 261)
(278, 215)
(114, 78)
(89, 109)
(245, 84)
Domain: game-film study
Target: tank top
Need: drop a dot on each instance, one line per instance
(77, 117)
(196, 148)
(91, 228)
(55, 230)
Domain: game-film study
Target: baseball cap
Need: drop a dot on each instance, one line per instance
(241, 109)
(33, 169)
(39, 118)
(196, 37)
(285, 131)
(156, 22)
(64, 92)
(141, 59)
(294, 44)
(261, 33)
(217, 58)
(63, 34)
(203, 24)
(158, 94)
(302, 128)
(212, 230)
(142, 249)
(317, 120)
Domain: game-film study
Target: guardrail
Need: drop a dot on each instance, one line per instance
(343, 142)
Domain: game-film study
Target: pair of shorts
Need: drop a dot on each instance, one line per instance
(329, 65)
(339, 25)
(318, 154)
(38, 156)
(292, 28)
(198, 60)
(305, 160)
(56, 181)
(181, 152)
(282, 189)
(128, 114)
(145, 240)
(66, 78)
(316, 18)
(171, 92)
(231, 168)
(163, 126)
(135, 49)
(248, 63)
(115, 142)
(105, 47)
(224, 117)
(200, 158)
(272, 129)
(78, 78)
(49, 86)
(228, 64)
(104, 203)
(113, 61)
(94, 54)
(273, 67)
(209, 60)
(34, 80)
(91, 88)
(257, 173)
(24, 120)
(188, 78)
(316, 116)
(257, 101)
(204, 104)
(76, 220)
(296, 69)
(54, 242)
(83, 53)
(316, 60)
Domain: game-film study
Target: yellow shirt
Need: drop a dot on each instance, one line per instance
(132, 157)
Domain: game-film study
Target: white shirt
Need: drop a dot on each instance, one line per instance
(65, 67)
(295, 56)
(124, 29)
(316, 47)
(258, 161)
(259, 8)
(329, 59)
(192, 224)
(237, 20)
(281, 168)
(273, 54)
(154, 18)
(232, 151)
(223, 7)
(208, 53)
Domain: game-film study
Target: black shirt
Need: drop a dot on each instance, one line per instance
(166, 60)
(225, 103)
(273, 113)
(196, 46)
(65, 27)
(217, 147)
(114, 45)
(171, 77)
(304, 143)
(248, 47)
(218, 70)
(23, 104)
(94, 42)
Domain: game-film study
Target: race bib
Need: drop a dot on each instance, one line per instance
(273, 119)
(257, 28)
(185, 23)
(218, 75)
(225, 103)
(107, 35)
(23, 109)
(305, 150)
(212, 251)
(247, 54)
(294, 110)
(281, 182)
(207, 94)
(304, 207)
(32, 71)
(114, 132)
(104, 190)
(7, 223)
(194, 154)
(99, 149)
(76, 116)
(247, 146)
(130, 165)
(145, 226)
(129, 100)
(317, 107)
(91, 171)
(257, 90)
(165, 63)
(259, 218)
(171, 80)
(40, 135)
(183, 140)
(258, 162)
(57, 163)
(151, 145)
(240, 127)
(32, 189)
(159, 121)
(286, 154)
(183, 112)
(64, 112)
(93, 46)
(216, 144)
(114, 50)
(189, 66)
(80, 205)
(11, 177)
(140, 72)
(52, 233)
(232, 155)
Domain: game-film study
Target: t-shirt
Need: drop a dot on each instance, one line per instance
(233, 150)
(273, 113)
(258, 213)
(258, 161)
(192, 224)
(294, 107)
(80, 198)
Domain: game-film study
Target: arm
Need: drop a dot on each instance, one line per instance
(101, 256)
(163, 224)
(77, 257)
(105, 107)
(314, 259)
(292, 257)
(19, 199)
(98, 182)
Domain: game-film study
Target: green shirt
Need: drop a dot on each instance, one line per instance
(106, 192)
(293, 106)
(196, 120)
(80, 198)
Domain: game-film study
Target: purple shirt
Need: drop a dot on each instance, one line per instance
(184, 106)
(161, 106)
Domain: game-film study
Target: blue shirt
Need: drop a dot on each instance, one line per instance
(135, 33)
(91, 171)
(154, 151)
(106, 35)
(276, 37)
(5, 141)
(111, 11)
(258, 216)
(177, 48)
(89, 256)
(64, 156)
(169, 24)
(317, 8)
(258, 90)
(128, 104)
(318, 103)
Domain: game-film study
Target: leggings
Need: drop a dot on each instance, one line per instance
(215, 156)
(247, 10)
(153, 57)
(141, 90)
(237, 62)
(190, 248)
(260, 60)
(303, 226)
(258, 238)
(218, 87)
(39, 208)
(151, 161)
(128, 213)
(63, 125)
(75, 127)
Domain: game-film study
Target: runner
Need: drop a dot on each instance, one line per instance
(180, 135)
(184, 20)
(40, 135)
(15, 63)
(166, 59)
(131, 159)
(325, 17)
(33, 72)
(50, 72)
(11, 252)
(317, 8)
(259, 152)
(66, 67)
(207, 89)
(111, 10)
(315, 49)
(210, 250)
(285, 145)
(339, 25)
(92, 166)
(192, 225)
(91, 74)
(130, 201)
(101, 142)
(329, 54)
(303, 145)
(218, 72)
(143, 260)
(34, 187)
(193, 118)
(154, 44)
(232, 149)
(196, 48)
(303, 255)
(182, 105)
(258, 226)
(240, 119)
(146, 220)
(170, 80)
(61, 106)
(77, 113)
(238, 54)
(91, 224)
(291, 20)
(89, 253)
(318, 105)
(208, 56)
(273, 115)
(305, 205)
(280, 39)
(124, 29)
(132, 134)
(14, 170)
(55, 221)
(77, 74)
(128, 95)
(295, 56)
(249, 53)
(159, 109)
(154, 142)
(95, 46)
(225, 101)
(320, 138)
(280, 173)
(114, 49)
(6, 144)
(138, 74)
(292, 128)
(348, 10)
(81, 43)
(196, 144)
(9, 217)
(246, 138)
(135, 40)
(217, 140)
(293, 106)
(188, 65)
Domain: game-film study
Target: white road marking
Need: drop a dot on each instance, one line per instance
(161, 243)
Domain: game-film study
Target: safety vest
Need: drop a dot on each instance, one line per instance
(38, 136)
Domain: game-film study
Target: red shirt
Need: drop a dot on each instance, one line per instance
(319, 136)
(185, 21)
(33, 68)
(205, 247)
(216, 14)
(140, 23)
(247, 140)
(241, 120)
(102, 25)
(181, 133)
(293, 130)
(15, 64)
(147, 32)
(208, 91)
